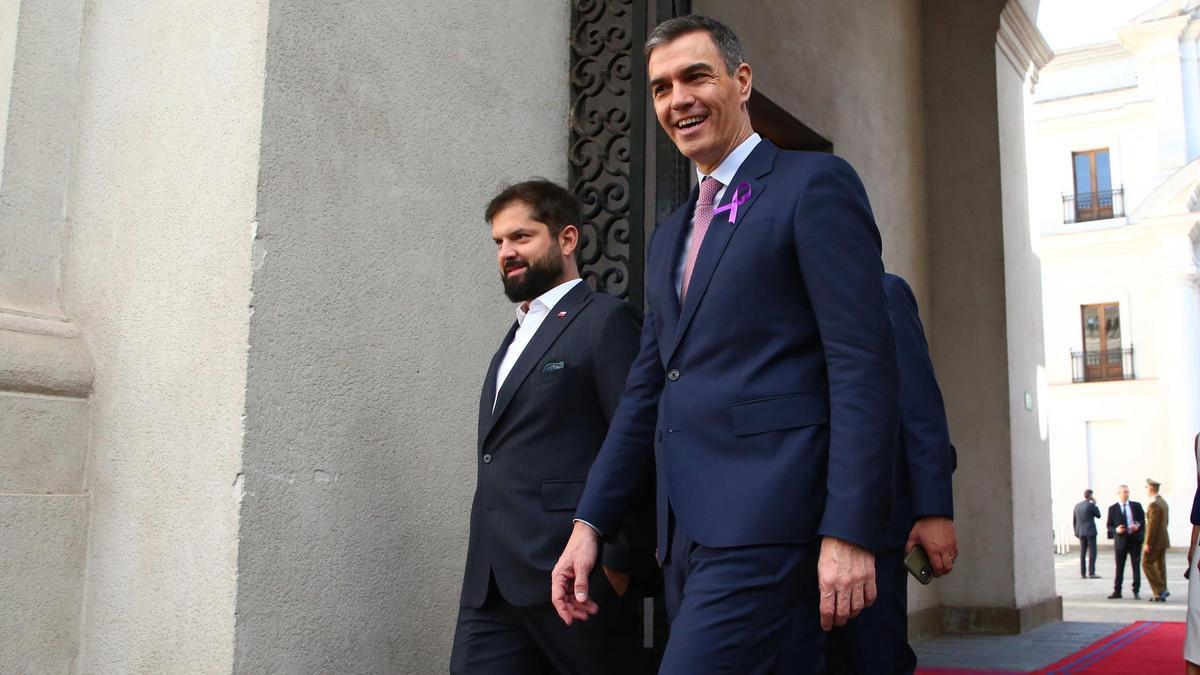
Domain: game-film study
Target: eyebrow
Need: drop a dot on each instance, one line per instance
(695, 67)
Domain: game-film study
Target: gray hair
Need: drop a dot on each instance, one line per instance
(727, 43)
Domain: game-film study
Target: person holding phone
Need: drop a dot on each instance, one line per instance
(1125, 522)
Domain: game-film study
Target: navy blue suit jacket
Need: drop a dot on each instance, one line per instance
(770, 396)
(537, 443)
(926, 461)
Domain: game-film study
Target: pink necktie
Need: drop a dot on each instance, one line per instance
(709, 188)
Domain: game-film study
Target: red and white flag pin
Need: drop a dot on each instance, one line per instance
(561, 314)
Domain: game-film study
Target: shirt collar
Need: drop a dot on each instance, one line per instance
(546, 301)
(728, 168)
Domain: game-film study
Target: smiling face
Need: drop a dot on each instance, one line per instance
(532, 261)
(701, 106)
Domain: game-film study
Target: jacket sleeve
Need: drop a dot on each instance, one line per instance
(838, 247)
(1112, 523)
(923, 425)
(627, 454)
(1196, 504)
(631, 548)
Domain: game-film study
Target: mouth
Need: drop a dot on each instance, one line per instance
(690, 125)
(511, 269)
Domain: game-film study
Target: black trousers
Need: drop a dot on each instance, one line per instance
(1087, 555)
(500, 638)
(1133, 549)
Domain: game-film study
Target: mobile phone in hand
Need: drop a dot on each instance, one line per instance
(917, 564)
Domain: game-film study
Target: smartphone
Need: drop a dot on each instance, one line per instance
(917, 564)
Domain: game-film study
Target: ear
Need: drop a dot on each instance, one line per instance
(744, 77)
(568, 239)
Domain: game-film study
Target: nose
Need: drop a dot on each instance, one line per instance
(506, 251)
(681, 98)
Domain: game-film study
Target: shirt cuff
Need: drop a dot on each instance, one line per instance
(594, 528)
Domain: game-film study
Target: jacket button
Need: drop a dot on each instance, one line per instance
(487, 459)
(673, 375)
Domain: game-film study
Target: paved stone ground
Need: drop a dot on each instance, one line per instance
(1088, 616)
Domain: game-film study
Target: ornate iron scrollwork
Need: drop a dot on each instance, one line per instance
(607, 154)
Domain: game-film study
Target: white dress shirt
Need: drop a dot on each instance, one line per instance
(528, 321)
(724, 173)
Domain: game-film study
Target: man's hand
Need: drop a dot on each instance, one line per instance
(936, 535)
(1145, 548)
(846, 581)
(1120, 529)
(569, 580)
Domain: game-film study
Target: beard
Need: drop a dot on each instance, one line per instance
(540, 276)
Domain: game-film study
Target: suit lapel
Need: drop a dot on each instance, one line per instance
(572, 303)
(488, 396)
(756, 166)
(666, 310)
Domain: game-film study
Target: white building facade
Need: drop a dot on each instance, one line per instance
(1113, 147)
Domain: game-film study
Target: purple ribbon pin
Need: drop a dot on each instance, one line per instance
(739, 198)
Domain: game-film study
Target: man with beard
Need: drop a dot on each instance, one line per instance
(547, 400)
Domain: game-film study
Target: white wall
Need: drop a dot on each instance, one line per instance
(157, 272)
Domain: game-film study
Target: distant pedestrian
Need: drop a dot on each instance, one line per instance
(1126, 520)
(1086, 513)
(1154, 551)
(1191, 645)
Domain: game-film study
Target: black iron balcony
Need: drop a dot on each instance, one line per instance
(1085, 206)
(1103, 366)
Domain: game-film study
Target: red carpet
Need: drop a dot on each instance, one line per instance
(1143, 647)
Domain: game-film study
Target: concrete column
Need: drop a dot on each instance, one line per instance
(1180, 372)
(985, 322)
(1158, 47)
(1190, 76)
(45, 369)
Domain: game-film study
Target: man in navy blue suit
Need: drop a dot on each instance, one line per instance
(876, 643)
(765, 386)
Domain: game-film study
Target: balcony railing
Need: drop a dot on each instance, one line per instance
(1115, 364)
(1085, 206)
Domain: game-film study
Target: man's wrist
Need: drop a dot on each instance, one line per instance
(587, 527)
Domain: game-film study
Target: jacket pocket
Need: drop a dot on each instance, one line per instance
(751, 229)
(562, 495)
(789, 411)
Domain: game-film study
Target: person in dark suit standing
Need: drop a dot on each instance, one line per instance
(1154, 549)
(1125, 522)
(876, 643)
(765, 388)
(548, 397)
(1086, 513)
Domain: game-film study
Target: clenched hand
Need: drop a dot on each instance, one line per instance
(846, 580)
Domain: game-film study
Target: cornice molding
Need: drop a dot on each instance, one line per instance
(1021, 42)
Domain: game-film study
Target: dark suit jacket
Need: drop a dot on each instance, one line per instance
(1115, 518)
(534, 451)
(926, 460)
(1086, 513)
(770, 396)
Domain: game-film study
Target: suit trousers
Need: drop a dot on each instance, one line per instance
(1087, 555)
(1128, 547)
(500, 638)
(731, 609)
(1155, 564)
(876, 641)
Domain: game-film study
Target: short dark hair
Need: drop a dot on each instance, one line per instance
(1087, 494)
(727, 43)
(549, 203)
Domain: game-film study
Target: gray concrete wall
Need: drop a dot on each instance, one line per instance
(157, 273)
(45, 369)
(377, 306)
